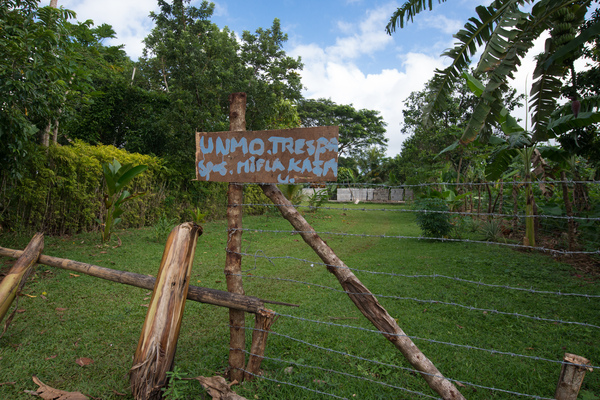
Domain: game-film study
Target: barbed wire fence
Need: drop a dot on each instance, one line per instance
(316, 382)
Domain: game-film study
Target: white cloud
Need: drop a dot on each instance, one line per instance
(332, 72)
(129, 19)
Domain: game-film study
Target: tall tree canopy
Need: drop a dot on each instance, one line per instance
(359, 129)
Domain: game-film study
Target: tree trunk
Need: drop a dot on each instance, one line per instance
(13, 283)
(156, 348)
(264, 319)
(569, 210)
(363, 298)
(515, 196)
(233, 263)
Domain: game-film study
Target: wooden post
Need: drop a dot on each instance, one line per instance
(569, 210)
(363, 298)
(571, 377)
(233, 262)
(195, 293)
(156, 348)
(264, 320)
(18, 274)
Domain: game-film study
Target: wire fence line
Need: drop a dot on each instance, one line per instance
(411, 370)
(333, 371)
(442, 239)
(416, 211)
(561, 222)
(425, 301)
(427, 184)
(432, 276)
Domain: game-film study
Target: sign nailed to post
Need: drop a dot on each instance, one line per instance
(278, 156)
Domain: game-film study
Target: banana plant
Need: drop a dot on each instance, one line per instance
(117, 176)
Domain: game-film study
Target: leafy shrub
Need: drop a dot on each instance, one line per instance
(253, 194)
(492, 230)
(163, 227)
(433, 224)
(317, 199)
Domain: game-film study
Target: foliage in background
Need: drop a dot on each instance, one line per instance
(117, 177)
(433, 224)
(163, 227)
(359, 129)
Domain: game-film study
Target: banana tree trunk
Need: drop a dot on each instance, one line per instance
(17, 276)
(156, 348)
(527, 153)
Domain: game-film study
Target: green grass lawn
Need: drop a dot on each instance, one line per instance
(81, 316)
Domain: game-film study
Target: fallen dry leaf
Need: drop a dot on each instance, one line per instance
(83, 361)
(75, 275)
(20, 311)
(103, 252)
(43, 297)
(60, 309)
(117, 393)
(51, 357)
(218, 388)
(145, 305)
(48, 393)
(28, 295)
(8, 383)
(460, 384)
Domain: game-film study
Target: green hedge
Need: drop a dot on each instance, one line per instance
(63, 189)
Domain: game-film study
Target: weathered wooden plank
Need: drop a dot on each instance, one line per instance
(277, 156)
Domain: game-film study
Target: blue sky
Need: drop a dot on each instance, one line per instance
(348, 57)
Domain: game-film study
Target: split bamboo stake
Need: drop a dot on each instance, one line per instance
(233, 262)
(156, 348)
(214, 297)
(571, 377)
(18, 274)
(363, 298)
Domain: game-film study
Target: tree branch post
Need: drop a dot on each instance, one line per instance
(233, 261)
(17, 276)
(363, 298)
(571, 377)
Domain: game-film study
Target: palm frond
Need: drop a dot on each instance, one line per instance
(407, 12)
(544, 93)
(567, 123)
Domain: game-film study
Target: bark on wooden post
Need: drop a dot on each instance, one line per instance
(363, 298)
(156, 348)
(264, 320)
(18, 274)
(571, 377)
(214, 297)
(233, 263)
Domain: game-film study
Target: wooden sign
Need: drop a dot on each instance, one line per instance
(278, 156)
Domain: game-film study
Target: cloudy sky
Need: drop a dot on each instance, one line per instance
(347, 55)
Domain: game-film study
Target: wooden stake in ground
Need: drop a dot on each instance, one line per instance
(156, 349)
(264, 320)
(363, 298)
(17, 276)
(233, 262)
(571, 377)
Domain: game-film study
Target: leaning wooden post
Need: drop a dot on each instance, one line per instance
(571, 377)
(264, 320)
(156, 348)
(18, 274)
(233, 261)
(363, 298)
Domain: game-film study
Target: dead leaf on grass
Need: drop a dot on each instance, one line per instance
(20, 311)
(49, 393)
(218, 388)
(51, 357)
(61, 309)
(145, 305)
(117, 393)
(75, 275)
(83, 361)
(8, 383)
(460, 384)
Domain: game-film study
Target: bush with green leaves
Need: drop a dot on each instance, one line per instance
(432, 217)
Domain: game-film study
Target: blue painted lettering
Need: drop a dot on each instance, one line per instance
(208, 149)
(261, 147)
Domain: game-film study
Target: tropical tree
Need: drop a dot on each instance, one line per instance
(34, 66)
(359, 129)
(506, 31)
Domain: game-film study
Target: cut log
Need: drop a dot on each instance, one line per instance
(571, 377)
(363, 298)
(195, 293)
(156, 348)
(14, 281)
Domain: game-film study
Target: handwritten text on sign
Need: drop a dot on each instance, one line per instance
(277, 156)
